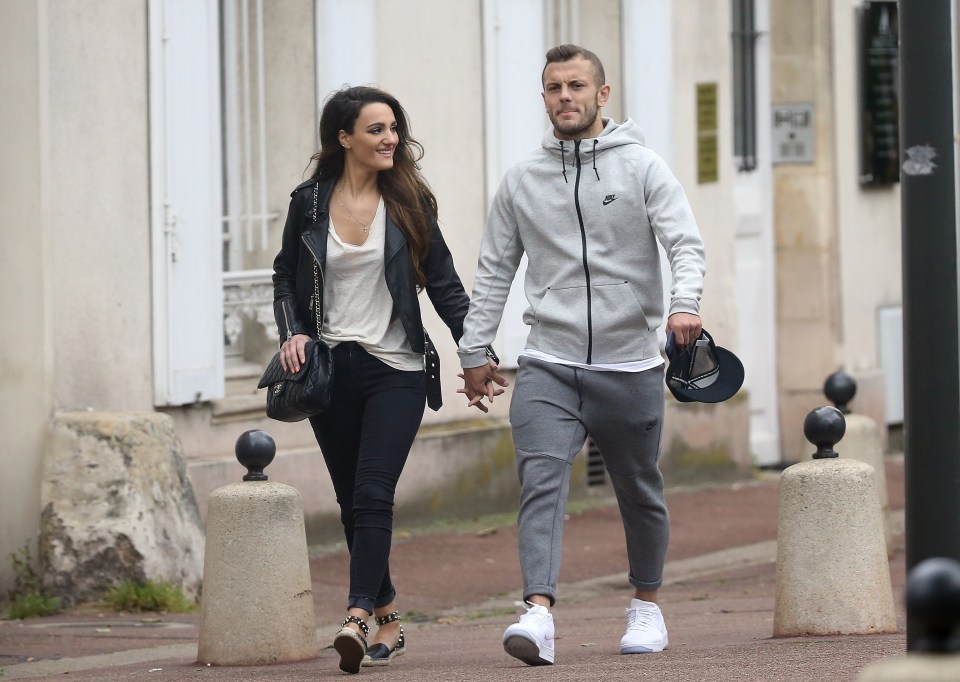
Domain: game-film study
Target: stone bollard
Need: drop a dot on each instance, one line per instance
(861, 442)
(257, 601)
(933, 602)
(832, 571)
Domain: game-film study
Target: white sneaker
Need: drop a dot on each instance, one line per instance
(646, 631)
(531, 639)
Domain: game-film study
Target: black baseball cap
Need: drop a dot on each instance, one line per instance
(702, 372)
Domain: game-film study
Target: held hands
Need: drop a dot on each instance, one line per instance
(479, 382)
(686, 328)
(292, 355)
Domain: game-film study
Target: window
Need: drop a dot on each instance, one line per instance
(248, 216)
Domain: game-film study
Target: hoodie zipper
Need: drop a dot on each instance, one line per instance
(586, 266)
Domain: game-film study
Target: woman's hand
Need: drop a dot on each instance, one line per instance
(479, 382)
(292, 356)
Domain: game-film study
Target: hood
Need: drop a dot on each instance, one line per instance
(613, 135)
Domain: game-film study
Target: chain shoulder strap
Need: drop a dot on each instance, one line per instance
(316, 269)
(316, 297)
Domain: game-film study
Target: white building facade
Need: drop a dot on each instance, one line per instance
(150, 148)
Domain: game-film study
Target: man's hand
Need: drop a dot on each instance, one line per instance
(479, 382)
(686, 328)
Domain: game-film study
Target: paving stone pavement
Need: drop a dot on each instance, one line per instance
(458, 588)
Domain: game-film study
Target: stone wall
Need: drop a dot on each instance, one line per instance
(705, 443)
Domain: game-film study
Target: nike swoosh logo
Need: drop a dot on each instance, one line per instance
(609, 199)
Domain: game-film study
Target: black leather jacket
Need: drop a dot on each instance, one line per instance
(305, 240)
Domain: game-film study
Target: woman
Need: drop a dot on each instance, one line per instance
(360, 241)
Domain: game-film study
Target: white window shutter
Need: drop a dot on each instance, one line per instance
(186, 201)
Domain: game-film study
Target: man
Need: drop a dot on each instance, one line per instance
(588, 209)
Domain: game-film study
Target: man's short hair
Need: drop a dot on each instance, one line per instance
(564, 53)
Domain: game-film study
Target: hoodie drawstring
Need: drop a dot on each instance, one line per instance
(563, 161)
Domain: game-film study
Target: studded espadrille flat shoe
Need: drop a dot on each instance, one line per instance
(351, 645)
(380, 653)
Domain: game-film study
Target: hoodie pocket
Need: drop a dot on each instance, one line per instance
(560, 323)
(619, 323)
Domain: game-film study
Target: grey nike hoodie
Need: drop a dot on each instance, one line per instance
(588, 213)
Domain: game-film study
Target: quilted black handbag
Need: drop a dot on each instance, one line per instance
(294, 397)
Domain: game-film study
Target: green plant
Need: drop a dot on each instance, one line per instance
(31, 605)
(149, 596)
(28, 599)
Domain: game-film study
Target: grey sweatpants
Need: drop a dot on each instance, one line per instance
(553, 409)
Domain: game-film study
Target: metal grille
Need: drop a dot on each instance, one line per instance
(247, 216)
(596, 473)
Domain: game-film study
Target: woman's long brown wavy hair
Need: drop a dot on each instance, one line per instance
(406, 195)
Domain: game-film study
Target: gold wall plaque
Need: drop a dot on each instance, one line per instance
(707, 148)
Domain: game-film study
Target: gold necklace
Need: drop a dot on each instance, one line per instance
(364, 226)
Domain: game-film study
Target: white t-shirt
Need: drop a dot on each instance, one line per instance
(357, 305)
(635, 366)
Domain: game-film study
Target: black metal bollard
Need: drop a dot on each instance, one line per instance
(840, 388)
(933, 605)
(255, 450)
(824, 427)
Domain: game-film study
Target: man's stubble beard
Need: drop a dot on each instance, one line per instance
(589, 118)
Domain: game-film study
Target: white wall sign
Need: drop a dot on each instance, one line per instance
(792, 126)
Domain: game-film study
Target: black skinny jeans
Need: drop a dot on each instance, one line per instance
(365, 436)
